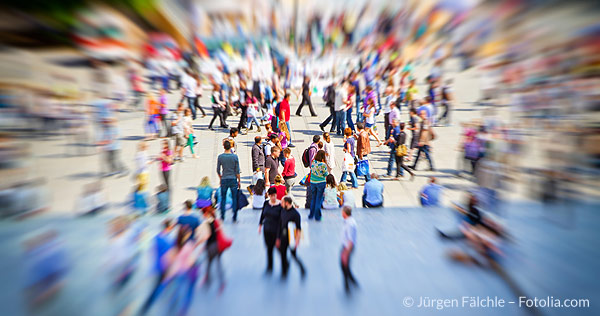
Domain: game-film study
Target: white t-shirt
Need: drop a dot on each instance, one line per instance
(370, 119)
(141, 161)
(258, 201)
(340, 97)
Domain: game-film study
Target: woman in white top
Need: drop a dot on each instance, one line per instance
(258, 195)
(369, 115)
(330, 195)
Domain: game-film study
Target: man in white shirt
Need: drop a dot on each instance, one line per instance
(348, 245)
(188, 90)
(341, 101)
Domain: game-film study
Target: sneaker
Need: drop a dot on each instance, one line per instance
(322, 128)
(291, 145)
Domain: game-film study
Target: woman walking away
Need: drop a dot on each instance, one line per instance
(166, 159)
(318, 173)
(205, 193)
(269, 224)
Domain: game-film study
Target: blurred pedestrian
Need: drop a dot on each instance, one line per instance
(269, 224)
(228, 169)
(349, 234)
(289, 236)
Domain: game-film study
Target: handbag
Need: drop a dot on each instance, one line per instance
(401, 150)
(223, 242)
(242, 200)
(362, 168)
(305, 180)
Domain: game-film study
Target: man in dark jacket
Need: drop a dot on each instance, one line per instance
(258, 156)
(330, 102)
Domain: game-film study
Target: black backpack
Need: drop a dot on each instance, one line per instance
(306, 156)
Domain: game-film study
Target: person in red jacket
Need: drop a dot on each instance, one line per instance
(284, 115)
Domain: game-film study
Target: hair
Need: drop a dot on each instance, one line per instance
(208, 210)
(320, 145)
(325, 135)
(162, 188)
(360, 125)
(187, 111)
(183, 236)
(413, 110)
(342, 187)
(316, 138)
(347, 131)
(347, 209)
(278, 179)
(432, 180)
(167, 223)
(271, 191)
(272, 136)
(189, 204)
(374, 176)
(287, 151)
(257, 139)
(402, 125)
(259, 187)
(287, 95)
(205, 182)
(287, 199)
(283, 128)
(233, 130)
(227, 145)
(330, 180)
(320, 156)
(275, 149)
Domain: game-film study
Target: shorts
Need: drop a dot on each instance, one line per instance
(179, 140)
(369, 125)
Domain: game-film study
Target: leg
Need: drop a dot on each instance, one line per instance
(299, 110)
(290, 131)
(270, 244)
(319, 200)
(313, 201)
(354, 179)
(298, 261)
(343, 178)
(222, 119)
(308, 198)
(165, 174)
(197, 105)
(334, 121)
(310, 107)
(420, 148)
(215, 115)
(386, 124)
(192, 106)
(283, 247)
(428, 156)
(349, 120)
(391, 160)
(224, 188)
(234, 198)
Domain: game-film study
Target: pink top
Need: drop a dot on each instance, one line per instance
(165, 165)
(163, 107)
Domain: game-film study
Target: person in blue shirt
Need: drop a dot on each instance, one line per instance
(373, 193)
(189, 219)
(430, 194)
(163, 243)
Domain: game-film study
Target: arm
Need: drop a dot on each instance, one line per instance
(267, 183)
(254, 158)
(237, 172)
(219, 166)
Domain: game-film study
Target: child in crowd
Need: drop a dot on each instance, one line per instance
(280, 186)
(205, 192)
(330, 196)
(258, 194)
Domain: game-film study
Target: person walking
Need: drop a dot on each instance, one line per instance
(252, 111)
(269, 224)
(178, 132)
(446, 100)
(166, 160)
(400, 140)
(272, 166)
(330, 103)
(219, 107)
(425, 137)
(306, 98)
(258, 155)
(329, 148)
(228, 169)
(162, 244)
(349, 233)
(163, 112)
(386, 107)
(188, 91)
(198, 92)
(209, 230)
(363, 145)
(318, 173)
(290, 227)
(112, 148)
(312, 152)
(341, 103)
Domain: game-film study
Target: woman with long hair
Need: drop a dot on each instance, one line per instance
(318, 173)
(258, 194)
(166, 159)
(330, 195)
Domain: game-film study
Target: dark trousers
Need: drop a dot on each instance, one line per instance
(349, 120)
(285, 265)
(217, 113)
(165, 128)
(331, 117)
(304, 102)
(112, 161)
(446, 114)
(424, 149)
(369, 205)
(386, 124)
(340, 122)
(213, 253)
(270, 238)
(197, 105)
(165, 175)
(158, 288)
(229, 184)
(400, 165)
(348, 276)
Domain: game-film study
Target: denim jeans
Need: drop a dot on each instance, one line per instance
(250, 120)
(352, 178)
(349, 120)
(425, 149)
(229, 184)
(192, 105)
(317, 190)
(391, 161)
(290, 131)
(340, 122)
